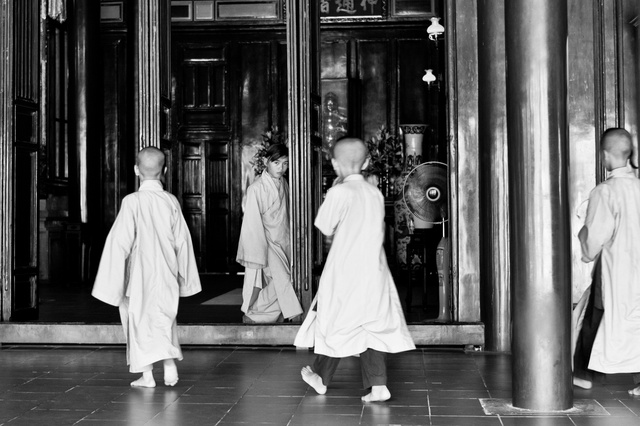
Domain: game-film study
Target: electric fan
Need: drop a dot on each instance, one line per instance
(425, 193)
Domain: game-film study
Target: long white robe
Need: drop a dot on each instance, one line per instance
(264, 250)
(147, 264)
(358, 304)
(613, 233)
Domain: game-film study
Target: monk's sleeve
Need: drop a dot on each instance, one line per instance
(111, 281)
(599, 224)
(252, 246)
(331, 211)
(188, 276)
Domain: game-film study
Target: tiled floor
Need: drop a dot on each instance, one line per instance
(253, 386)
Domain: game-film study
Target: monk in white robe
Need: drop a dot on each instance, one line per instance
(146, 266)
(264, 248)
(611, 236)
(358, 308)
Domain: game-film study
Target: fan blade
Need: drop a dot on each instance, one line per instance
(425, 192)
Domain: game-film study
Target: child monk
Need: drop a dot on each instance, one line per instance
(147, 264)
(609, 341)
(358, 308)
(264, 248)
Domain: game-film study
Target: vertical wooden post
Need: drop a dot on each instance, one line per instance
(536, 40)
(85, 35)
(494, 172)
(147, 74)
(302, 69)
(6, 154)
(462, 92)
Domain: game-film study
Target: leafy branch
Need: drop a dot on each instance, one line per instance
(385, 153)
(270, 137)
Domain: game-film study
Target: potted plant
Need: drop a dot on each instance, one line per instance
(385, 160)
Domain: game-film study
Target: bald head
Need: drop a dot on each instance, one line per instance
(617, 142)
(150, 163)
(350, 153)
(617, 146)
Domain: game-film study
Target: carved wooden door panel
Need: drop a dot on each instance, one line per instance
(229, 92)
(205, 150)
(26, 145)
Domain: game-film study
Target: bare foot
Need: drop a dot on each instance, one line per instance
(378, 394)
(582, 383)
(635, 391)
(146, 381)
(170, 372)
(313, 380)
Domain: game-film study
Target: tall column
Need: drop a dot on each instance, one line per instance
(85, 80)
(494, 175)
(6, 155)
(302, 72)
(147, 75)
(461, 41)
(536, 38)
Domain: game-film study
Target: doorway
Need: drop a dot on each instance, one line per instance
(229, 85)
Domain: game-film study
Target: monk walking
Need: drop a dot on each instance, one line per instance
(147, 265)
(358, 308)
(610, 238)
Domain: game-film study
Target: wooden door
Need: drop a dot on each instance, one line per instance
(229, 92)
(204, 149)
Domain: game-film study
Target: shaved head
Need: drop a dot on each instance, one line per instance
(351, 153)
(617, 142)
(150, 162)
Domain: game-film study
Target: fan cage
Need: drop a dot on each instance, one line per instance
(443, 191)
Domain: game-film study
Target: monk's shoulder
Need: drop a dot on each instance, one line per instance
(259, 187)
(130, 201)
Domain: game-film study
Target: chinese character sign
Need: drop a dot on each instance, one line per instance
(351, 8)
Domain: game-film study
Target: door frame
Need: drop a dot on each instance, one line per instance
(6, 159)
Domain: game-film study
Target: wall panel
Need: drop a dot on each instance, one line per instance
(376, 76)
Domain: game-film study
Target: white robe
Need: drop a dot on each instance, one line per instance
(613, 224)
(147, 264)
(358, 304)
(264, 250)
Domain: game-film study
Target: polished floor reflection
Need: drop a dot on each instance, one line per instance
(253, 386)
(65, 302)
(218, 303)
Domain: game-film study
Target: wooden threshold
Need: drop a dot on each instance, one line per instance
(217, 334)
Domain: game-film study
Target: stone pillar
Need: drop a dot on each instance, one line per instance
(536, 39)
(494, 177)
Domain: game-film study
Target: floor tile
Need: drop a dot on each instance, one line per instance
(57, 385)
(605, 421)
(324, 420)
(536, 421)
(465, 421)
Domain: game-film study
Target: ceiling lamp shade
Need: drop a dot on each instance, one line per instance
(428, 77)
(435, 30)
